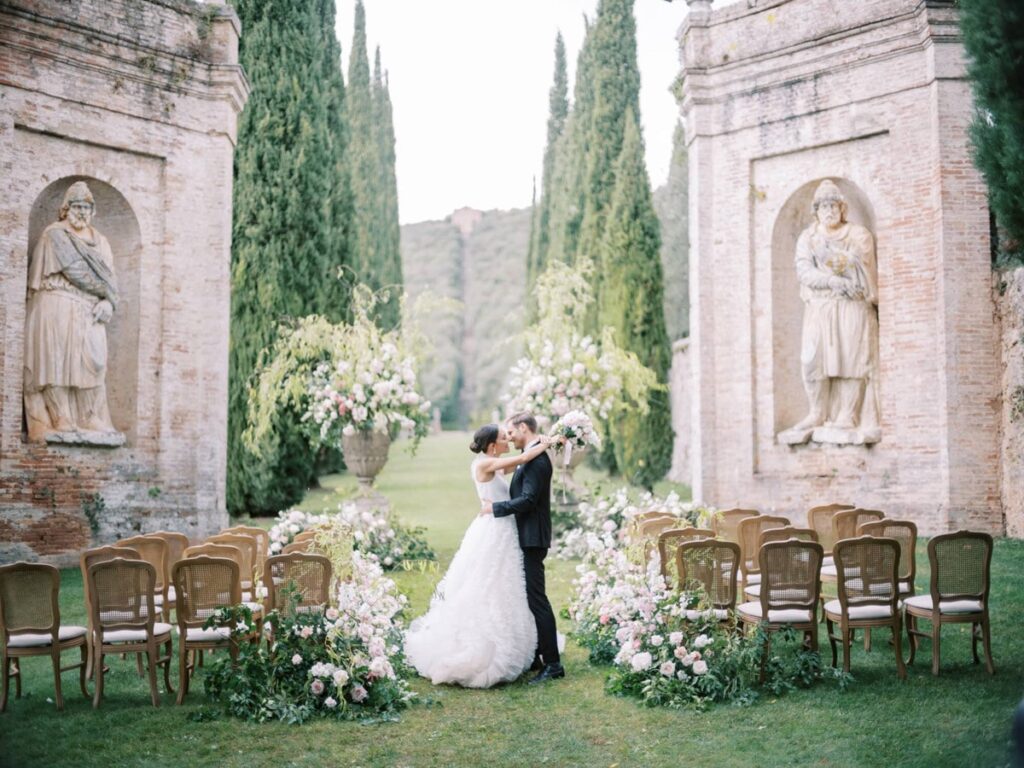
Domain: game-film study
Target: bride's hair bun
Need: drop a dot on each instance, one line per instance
(484, 438)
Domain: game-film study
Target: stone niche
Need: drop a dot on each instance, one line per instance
(139, 99)
(871, 95)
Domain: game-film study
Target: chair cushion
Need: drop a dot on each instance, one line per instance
(754, 590)
(170, 592)
(135, 635)
(861, 612)
(720, 613)
(754, 578)
(256, 608)
(200, 635)
(788, 616)
(111, 617)
(34, 640)
(924, 603)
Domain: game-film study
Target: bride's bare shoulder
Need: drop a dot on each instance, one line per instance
(476, 469)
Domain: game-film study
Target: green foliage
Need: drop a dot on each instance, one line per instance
(672, 205)
(993, 33)
(558, 112)
(93, 507)
(631, 303)
(374, 234)
(290, 219)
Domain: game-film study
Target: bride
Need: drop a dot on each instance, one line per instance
(479, 630)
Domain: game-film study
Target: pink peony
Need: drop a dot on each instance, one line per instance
(359, 693)
(668, 668)
(317, 687)
(604, 618)
(296, 659)
(306, 632)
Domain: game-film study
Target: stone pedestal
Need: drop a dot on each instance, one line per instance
(139, 99)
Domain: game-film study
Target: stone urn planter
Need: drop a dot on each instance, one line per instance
(366, 453)
(566, 471)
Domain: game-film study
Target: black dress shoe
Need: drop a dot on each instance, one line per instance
(550, 672)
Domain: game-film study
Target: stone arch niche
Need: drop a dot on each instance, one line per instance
(790, 401)
(116, 220)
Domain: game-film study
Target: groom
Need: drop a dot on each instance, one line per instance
(531, 504)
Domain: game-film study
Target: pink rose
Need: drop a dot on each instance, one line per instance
(604, 618)
(332, 614)
(359, 693)
(317, 687)
(306, 632)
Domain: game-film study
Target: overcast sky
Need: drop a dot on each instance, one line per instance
(469, 82)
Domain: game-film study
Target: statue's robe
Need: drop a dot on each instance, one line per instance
(69, 273)
(840, 331)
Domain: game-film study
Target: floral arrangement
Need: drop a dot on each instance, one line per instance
(578, 431)
(612, 514)
(564, 371)
(377, 534)
(345, 662)
(339, 378)
(664, 647)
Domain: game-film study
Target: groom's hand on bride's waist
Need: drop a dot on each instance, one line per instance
(486, 508)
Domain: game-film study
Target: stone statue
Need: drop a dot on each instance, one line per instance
(72, 295)
(835, 263)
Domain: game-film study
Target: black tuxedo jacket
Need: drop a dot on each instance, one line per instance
(531, 502)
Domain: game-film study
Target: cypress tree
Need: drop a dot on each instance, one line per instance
(288, 222)
(568, 193)
(993, 32)
(558, 112)
(616, 85)
(672, 204)
(387, 227)
(630, 262)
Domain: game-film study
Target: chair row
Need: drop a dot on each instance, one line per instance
(124, 615)
(869, 580)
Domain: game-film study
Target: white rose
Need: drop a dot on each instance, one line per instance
(657, 640)
(641, 661)
(667, 669)
(700, 667)
(702, 641)
(348, 430)
(676, 638)
(340, 678)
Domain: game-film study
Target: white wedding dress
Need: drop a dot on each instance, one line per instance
(479, 630)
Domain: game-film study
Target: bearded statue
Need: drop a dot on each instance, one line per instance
(72, 296)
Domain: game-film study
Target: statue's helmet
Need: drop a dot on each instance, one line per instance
(77, 193)
(828, 192)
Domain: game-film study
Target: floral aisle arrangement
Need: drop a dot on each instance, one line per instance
(665, 648)
(341, 380)
(378, 534)
(345, 662)
(579, 533)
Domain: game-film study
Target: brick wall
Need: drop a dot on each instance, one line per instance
(873, 93)
(141, 97)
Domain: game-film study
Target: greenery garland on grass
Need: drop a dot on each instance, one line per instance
(345, 662)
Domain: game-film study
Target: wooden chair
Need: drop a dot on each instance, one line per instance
(711, 566)
(203, 584)
(30, 626)
(263, 536)
(648, 532)
(298, 546)
(238, 555)
(152, 549)
(846, 522)
(790, 588)
(752, 591)
(868, 581)
(672, 538)
(249, 547)
(307, 535)
(86, 560)
(726, 523)
(749, 538)
(306, 576)
(122, 607)
(905, 532)
(961, 565)
(177, 543)
(820, 519)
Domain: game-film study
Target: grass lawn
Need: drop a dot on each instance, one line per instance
(962, 718)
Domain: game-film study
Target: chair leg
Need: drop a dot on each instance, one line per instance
(182, 671)
(98, 671)
(138, 664)
(58, 694)
(867, 639)
(936, 645)
(975, 631)
(847, 635)
(911, 637)
(17, 677)
(167, 666)
(151, 653)
(5, 679)
(764, 657)
(986, 640)
(830, 628)
(88, 656)
(897, 641)
(81, 670)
